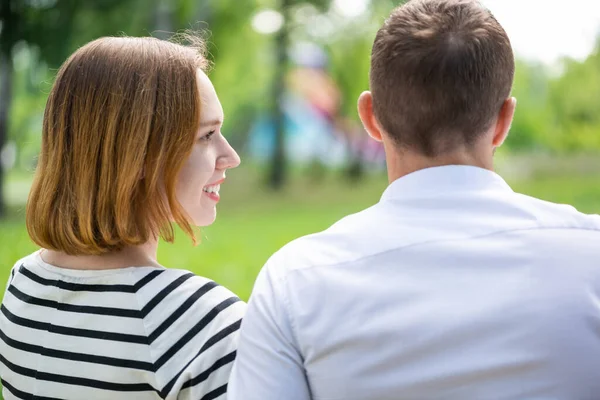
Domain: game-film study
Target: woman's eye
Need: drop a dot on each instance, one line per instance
(208, 136)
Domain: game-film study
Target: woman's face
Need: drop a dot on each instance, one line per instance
(201, 175)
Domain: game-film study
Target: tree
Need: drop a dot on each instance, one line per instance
(50, 27)
(278, 167)
(8, 37)
(574, 104)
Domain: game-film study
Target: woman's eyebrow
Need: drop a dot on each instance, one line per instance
(211, 123)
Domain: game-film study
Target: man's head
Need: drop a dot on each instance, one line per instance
(441, 76)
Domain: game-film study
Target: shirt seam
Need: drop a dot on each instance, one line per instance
(75, 275)
(597, 230)
(289, 315)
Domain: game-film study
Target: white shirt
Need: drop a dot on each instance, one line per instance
(452, 287)
(139, 333)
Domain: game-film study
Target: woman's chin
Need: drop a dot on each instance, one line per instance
(205, 219)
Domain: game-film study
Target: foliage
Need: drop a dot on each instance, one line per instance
(559, 112)
(556, 112)
(575, 101)
(532, 125)
(47, 28)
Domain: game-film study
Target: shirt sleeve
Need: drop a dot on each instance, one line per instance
(194, 335)
(207, 380)
(205, 377)
(269, 365)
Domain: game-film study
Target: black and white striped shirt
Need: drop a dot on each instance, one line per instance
(132, 333)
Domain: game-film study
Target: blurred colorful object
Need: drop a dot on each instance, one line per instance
(314, 128)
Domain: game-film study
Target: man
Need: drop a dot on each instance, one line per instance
(451, 287)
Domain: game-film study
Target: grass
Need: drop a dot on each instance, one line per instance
(254, 222)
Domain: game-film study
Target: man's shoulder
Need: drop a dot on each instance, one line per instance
(382, 227)
(342, 242)
(555, 215)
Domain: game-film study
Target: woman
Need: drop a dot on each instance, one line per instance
(131, 143)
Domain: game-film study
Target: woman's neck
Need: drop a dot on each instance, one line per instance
(132, 256)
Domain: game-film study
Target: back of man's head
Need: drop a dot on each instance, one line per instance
(440, 73)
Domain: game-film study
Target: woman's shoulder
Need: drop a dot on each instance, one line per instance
(174, 295)
(24, 260)
(19, 264)
(170, 283)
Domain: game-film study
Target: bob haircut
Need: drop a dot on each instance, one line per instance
(119, 123)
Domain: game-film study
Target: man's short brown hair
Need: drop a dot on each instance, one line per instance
(120, 121)
(440, 72)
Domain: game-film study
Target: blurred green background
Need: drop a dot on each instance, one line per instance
(276, 66)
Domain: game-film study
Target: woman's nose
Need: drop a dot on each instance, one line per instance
(229, 157)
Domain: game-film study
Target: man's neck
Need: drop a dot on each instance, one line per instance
(401, 162)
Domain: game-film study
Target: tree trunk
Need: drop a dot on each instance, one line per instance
(278, 171)
(6, 70)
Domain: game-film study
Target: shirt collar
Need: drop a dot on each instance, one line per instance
(448, 178)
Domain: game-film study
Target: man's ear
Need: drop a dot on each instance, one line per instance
(505, 118)
(365, 112)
